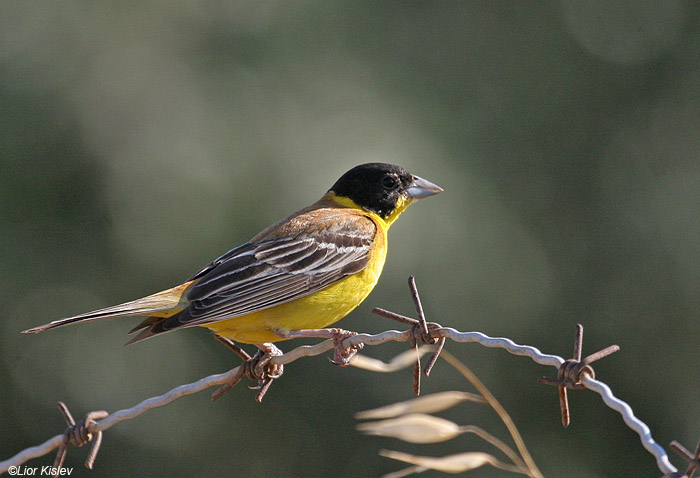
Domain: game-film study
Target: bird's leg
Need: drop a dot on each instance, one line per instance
(257, 367)
(232, 345)
(341, 354)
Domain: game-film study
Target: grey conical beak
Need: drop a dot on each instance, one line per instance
(421, 188)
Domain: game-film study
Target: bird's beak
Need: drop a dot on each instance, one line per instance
(420, 188)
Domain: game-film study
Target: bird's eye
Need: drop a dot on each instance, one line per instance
(389, 182)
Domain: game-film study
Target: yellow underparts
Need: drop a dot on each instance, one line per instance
(314, 311)
(321, 308)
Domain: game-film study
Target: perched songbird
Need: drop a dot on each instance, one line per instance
(306, 271)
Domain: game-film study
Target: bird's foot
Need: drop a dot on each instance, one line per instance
(259, 367)
(342, 355)
(263, 367)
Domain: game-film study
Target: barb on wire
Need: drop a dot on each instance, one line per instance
(422, 332)
(693, 459)
(577, 374)
(77, 434)
(572, 370)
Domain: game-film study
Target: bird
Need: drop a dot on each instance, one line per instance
(302, 273)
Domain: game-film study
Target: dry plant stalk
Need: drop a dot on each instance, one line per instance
(408, 421)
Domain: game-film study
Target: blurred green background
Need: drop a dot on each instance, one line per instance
(139, 140)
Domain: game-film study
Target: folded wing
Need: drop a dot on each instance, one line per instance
(273, 270)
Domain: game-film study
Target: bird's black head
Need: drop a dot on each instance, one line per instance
(382, 188)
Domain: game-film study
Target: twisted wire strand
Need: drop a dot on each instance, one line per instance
(634, 423)
(509, 345)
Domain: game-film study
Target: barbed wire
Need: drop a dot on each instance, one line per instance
(584, 378)
(366, 339)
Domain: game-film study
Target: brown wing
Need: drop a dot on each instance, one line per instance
(292, 259)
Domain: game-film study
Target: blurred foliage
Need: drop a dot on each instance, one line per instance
(139, 140)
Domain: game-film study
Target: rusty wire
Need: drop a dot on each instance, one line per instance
(78, 434)
(576, 373)
(693, 460)
(572, 371)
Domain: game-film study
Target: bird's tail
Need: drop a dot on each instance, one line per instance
(162, 304)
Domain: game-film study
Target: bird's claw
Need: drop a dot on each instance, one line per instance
(343, 355)
(257, 368)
